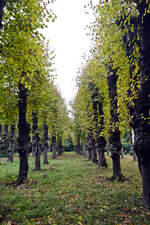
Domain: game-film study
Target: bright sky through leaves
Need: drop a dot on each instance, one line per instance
(68, 37)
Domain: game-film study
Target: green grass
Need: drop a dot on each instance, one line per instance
(71, 190)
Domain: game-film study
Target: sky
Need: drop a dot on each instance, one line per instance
(68, 37)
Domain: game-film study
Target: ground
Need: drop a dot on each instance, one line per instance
(71, 191)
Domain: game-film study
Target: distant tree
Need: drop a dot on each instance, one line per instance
(45, 143)
(11, 143)
(98, 120)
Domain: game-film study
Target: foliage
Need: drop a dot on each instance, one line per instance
(94, 73)
(112, 24)
(68, 144)
(22, 50)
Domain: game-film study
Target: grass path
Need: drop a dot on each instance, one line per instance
(71, 191)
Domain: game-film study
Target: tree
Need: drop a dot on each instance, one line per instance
(141, 112)
(114, 138)
(98, 119)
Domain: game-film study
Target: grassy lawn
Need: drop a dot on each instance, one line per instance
(71, 190)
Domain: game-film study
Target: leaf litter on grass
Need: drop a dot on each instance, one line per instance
(75, 192)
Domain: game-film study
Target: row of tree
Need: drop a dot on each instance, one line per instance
(113, 87)
(30, 101)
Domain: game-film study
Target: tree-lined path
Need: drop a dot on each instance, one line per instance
(72, 190)
(110, 115)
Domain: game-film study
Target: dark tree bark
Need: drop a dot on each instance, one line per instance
(90, 144)
(100, 147)
(23, 138)
(36, 141)
(60, 147)
(100, 143)
(2, 5)
(78, 146)
(54, 156)
(114, 138)
(1, 142)
(4, 140)
(141, 123)
(94, 155)
(84, 146)
(0, 130)
(140, 111)
(45, 143)
(11, 143)
(5, 135)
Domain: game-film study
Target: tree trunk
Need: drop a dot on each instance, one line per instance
(141, 124)
(100, 143)
(140, 110)
(100, 147)
(2, 5)
(145, 174)
(45, 159)
(102, 159)
(114, 138)
(115, 148)
(84, 150)
(83, 146)
(36, 141)
(23, 138)
(90, 144)
(23, 167)
(78, 145)
(89, 155)
(45, 144)
(54, 146)
(11, 144)
(94, 155)
(4, 142)
(0, 130)
(60, 147)
(116, 165)
(132, 136)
